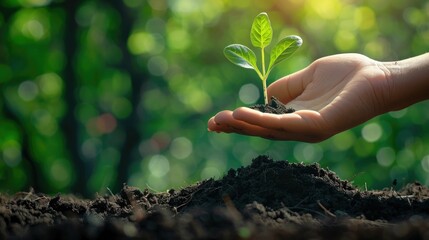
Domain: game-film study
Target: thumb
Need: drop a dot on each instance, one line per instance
(291, 86)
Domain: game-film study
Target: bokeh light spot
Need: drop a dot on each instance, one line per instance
(50, 84)
(210, 172)
(156, 25)
(12, 153)
(143, 42)
(28, 90)
(375, 48)
(386, 156)
(372, 132)
(425, 163)
(405, 158)
(35, 28)
(60, 174)
(154, 100)
(133, 3)
(159, 166)
(249, 93)
(415, 16)
(307, 153)
(31, 23)
(214, 168)
(196, 98)
(91, 148)
(160, 5)
(345, 40)
(181, 148)
(103, 124)
(45, 123)
(344, 140)
(364, 18)
(185, 6)
(157, 65)
(106, 123)
(398, 114)
(326, 10)
(121, 107)
(178, 39)
(34, 3)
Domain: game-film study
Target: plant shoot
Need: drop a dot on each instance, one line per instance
(261, 35)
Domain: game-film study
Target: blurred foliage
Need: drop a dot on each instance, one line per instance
(97, 93)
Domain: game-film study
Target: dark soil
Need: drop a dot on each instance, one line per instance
(274, 106)
(266, 200)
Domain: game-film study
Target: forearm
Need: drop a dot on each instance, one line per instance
(409, 81)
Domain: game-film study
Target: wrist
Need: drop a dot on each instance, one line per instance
(408, 81)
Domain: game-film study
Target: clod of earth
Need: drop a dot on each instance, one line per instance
(267, 199)
(274, 106)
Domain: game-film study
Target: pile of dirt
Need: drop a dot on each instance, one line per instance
(268, 199)
(274, 106)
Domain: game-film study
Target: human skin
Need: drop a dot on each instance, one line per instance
(331, 95)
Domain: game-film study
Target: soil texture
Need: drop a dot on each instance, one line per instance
(274, 106)
(265, 200)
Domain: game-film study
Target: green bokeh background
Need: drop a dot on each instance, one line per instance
(94, 94)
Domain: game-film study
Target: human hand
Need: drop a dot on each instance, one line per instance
(331, 95)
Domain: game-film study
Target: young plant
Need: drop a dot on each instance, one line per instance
(261, 35)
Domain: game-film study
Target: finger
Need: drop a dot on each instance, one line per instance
(305, 122)
(291, 86)
(224, 122)
(226, 128)
(272, 134)
(283, 135)
(230, 125)
(218, 123)
(212, 125)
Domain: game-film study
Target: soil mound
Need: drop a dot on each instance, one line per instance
(267, 199)
(274, 106)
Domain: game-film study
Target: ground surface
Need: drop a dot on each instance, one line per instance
(268, 199)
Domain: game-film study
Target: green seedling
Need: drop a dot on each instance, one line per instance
(261, 35)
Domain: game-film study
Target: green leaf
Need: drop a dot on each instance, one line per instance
(284, 49)
(261, 32)
(241, 55)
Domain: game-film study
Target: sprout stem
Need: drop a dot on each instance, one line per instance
(264, 88)
(264, 76)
